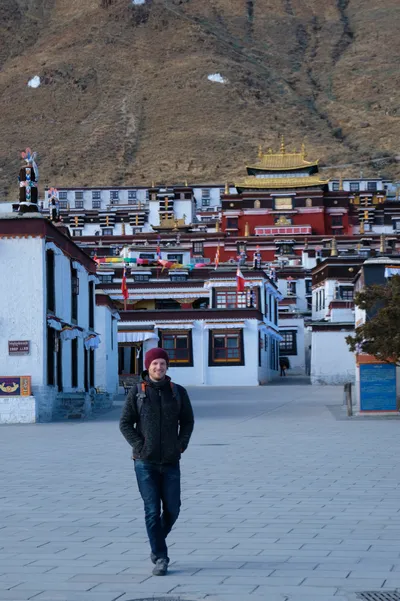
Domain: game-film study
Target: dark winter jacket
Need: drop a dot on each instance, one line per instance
(159, 434)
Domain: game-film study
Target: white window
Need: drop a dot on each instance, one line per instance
(114, 195)
(62, 195)
(79, 195)
(96, 195)
(78, 204)
(107, 231)
(132, 195)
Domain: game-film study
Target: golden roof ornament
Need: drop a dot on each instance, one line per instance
(283, 148)
(260, 152)
(382, 248)
(246, 229)
(362, 229)
(217, 225)
(341, 182)
(334, 250)
(226, 188)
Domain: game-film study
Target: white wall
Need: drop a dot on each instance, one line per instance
(22, 307)
(298, 361)
(331, 360)
(106, 364)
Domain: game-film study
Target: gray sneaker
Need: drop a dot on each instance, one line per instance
(161, 567)
(153, 558)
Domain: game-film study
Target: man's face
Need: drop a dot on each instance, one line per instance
(158, 369)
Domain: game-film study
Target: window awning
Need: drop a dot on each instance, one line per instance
(224, 325)
(174, 326)
(135, 336)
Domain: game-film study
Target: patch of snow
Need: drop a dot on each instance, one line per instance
(136, 2)
(217, 77)
(34, 82)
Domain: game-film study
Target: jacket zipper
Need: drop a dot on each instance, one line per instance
(159, 394)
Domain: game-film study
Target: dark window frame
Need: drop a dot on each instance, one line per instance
(288, 346)
(50, 356)
(337, 220)
(216, 362)
(74, 363)
(63, 195)
(107, 231)
(96, 204)
(74, 294)
(166, 335)
(50, 282)
(198, 248)
(232, 223)
(354, 186)
(239, 298)
(141, 277)
(372, 186)
(91, 305)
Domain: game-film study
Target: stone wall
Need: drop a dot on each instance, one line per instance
(18, 410)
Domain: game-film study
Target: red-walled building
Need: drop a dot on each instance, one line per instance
(284, 194)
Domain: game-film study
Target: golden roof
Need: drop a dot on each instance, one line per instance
(281, 182)
(281, 161)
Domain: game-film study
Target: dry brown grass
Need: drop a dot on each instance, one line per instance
(125, 96)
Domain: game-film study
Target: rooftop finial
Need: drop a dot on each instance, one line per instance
(334, 251)
(260, 152)
(283, 149)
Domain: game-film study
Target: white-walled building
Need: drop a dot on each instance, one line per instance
(47, 303)
(333, 319)
(212, 332)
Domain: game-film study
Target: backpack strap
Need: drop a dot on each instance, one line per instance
(176, 396)
(140, 396)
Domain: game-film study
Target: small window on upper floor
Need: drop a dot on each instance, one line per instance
(141, 277)
(335, 187)
(79, 195)
(371, 186)
(354, 186)
(78, 204)
(114, 195)
(205, 193)
(63, 204)
(132, 195)
(178, 277)
(105, 279)
(62, 195)
(96, 195)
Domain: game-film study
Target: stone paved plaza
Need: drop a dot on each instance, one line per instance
(282, 498)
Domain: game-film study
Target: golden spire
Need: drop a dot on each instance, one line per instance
(260, 152)
(341, 182)
(283, 148)
(382, 248)
(334, 251)
(226, 188)
(217, 225)
(362, 230)
(186, 183)
(246, 229)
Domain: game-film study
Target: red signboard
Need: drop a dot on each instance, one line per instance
(15, 386)
(18, 347)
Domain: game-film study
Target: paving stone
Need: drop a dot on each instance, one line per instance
(297, 504)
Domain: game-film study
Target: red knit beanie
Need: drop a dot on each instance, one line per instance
(155, 353)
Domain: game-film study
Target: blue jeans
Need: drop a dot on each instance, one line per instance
(159, 484)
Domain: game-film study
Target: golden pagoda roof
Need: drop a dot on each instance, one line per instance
(282, 160)
(281, 182)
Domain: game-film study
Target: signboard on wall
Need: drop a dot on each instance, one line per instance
(378, 387)
(18, 347)
(15, 386)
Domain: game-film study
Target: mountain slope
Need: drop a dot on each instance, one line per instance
(125, 97)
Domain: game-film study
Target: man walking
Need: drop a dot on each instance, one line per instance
(157, 421)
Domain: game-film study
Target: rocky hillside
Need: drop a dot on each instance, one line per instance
(124, 94)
